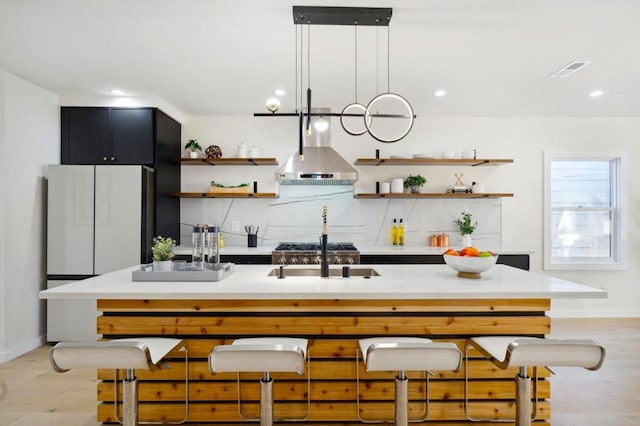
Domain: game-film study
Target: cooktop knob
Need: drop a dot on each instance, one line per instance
(293, 260)
(317, 260)
(305, 260)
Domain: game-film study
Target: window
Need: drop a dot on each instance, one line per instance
(583, 218)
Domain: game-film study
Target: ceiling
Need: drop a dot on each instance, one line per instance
(208, 57)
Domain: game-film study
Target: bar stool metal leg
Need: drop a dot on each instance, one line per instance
(523, 398)
(402, 399)
(130, 399)
(266, 400)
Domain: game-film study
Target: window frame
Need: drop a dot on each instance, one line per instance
(618, 208)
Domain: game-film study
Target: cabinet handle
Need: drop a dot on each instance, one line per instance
(104, 158)
(113, 158)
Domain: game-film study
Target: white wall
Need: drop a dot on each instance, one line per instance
(3, 179)
(523, 139)
(30, 141)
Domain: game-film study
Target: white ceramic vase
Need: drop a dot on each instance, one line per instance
(193, 154)
(162, 265)
(466, 240)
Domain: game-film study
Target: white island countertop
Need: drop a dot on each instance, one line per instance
(394, 282)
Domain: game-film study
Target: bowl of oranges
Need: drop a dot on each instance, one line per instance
(469, 262)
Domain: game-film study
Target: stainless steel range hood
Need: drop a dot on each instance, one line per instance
(322, 165)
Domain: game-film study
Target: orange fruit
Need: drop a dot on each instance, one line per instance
(472, 251)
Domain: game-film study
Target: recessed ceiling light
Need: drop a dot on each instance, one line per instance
(596, 93)
(117, 92)
(280, 92)
(440, 93)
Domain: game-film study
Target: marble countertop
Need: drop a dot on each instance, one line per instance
(394, 282)
(374, 250)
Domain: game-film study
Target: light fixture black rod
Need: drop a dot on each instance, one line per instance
(301, 137)
(308, 109)
(328, 114)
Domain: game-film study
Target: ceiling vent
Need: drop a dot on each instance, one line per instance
(569, 69)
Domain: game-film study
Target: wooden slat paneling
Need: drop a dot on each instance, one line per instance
(320, 411)
(333, 328)
(307, 306)
(321, 325)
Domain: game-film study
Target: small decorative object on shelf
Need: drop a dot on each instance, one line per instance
(217, 187)
(414, 182)
(193, 146)
(162, 250)
(459, 187)
(213, 152)
(466, 228)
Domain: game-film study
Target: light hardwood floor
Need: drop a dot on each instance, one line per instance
(31, 393)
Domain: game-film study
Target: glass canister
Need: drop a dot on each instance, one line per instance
(213, 255)
(198, 239)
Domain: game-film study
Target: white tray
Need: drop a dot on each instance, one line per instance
(212, 273)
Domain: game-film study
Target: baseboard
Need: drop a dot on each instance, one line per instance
(594, 313)
(22, 348)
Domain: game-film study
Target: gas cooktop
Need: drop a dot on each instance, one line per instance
(315, 247)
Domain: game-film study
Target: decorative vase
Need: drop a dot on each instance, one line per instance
(466, 240)
(162, 265)
(193, 154)
(415, 189)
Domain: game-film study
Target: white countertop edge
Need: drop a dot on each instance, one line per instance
(396, 282)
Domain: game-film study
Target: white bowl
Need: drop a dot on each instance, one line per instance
(470, 266)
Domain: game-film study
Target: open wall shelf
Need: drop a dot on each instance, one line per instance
(262, 161)
(432, 195)
(218, 195)
(430, 162)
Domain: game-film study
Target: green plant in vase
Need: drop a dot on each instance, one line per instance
(467, 226)
(193, 146)
(414, 182)
(162, 250)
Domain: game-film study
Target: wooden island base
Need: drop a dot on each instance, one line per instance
(333, 328)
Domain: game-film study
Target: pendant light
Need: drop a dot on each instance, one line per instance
(396, 119)
(351, 114)
(387, 118)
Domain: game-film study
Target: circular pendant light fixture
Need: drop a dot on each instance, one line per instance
(388, 117)
(352, 114)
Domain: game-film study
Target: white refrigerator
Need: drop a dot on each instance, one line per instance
(99, 219)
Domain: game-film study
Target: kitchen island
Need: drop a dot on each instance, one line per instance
(333, 313)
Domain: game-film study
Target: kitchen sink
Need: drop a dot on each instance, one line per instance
(333, 272)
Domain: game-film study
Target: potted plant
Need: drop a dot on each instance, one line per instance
(193, 146)
(162, 250)
(467, 226)
(414, 182)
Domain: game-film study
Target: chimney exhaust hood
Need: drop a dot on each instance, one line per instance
(321, 165)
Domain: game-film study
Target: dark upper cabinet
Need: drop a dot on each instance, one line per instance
(132, 135)
(97, 135)
(129, 136)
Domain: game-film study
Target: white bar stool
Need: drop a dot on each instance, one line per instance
(262, 355)
(405, 354)
(126, 354)
(524, 352)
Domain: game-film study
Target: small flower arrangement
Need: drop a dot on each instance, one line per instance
(193, 145)
(466, 225)
(162, 248)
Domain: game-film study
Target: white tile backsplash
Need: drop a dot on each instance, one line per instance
(297, 216)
